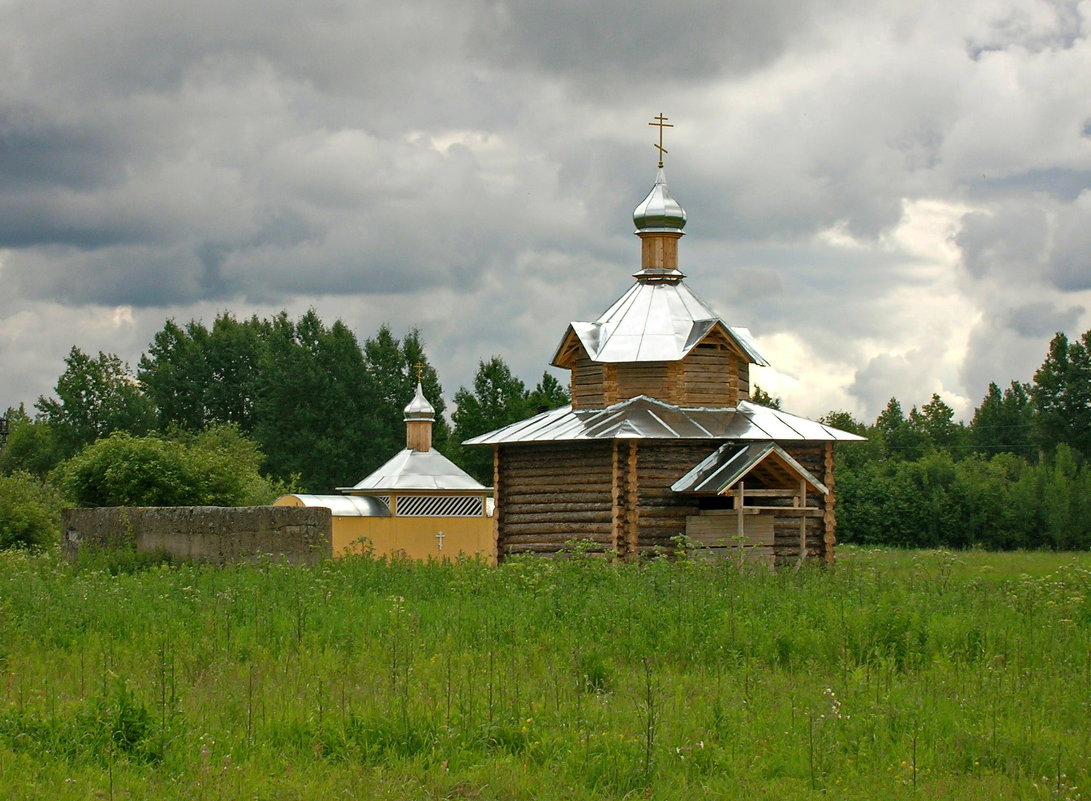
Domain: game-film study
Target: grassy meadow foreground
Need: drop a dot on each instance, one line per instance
(890, 675)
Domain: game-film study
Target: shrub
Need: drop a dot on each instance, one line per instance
(218, 467)
(29, 512)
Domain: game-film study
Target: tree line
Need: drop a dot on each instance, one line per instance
(238, 412)
(243, 410)
(1016, 476)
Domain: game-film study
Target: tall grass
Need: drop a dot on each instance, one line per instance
(893, 674)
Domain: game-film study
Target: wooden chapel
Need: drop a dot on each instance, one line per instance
(661, 446)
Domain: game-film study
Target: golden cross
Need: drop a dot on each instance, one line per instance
(661, 123)
(420, 372)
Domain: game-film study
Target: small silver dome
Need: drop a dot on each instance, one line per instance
(659, 211)
(419, 408)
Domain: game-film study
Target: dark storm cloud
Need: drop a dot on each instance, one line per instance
(36, 151)
(1040, 320)
(608, 51)
(1007, 242)
(214, 155)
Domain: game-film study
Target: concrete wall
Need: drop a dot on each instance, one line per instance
(204, 533)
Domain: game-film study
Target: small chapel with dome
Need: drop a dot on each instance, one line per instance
(661, 446)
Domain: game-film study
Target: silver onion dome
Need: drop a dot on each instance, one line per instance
(659, 211)
(419, 408)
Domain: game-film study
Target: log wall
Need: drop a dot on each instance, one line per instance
(661, 514)
(587, 384)
(712, 375)
(553, 492)
(616, 495)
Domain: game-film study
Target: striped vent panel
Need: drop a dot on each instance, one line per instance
(439, 506)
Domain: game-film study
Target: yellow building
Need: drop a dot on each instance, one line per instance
(419, 504)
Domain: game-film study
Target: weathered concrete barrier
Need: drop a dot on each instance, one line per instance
(219, 534)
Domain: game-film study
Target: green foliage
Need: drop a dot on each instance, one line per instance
(906, 674)
(936, 425)
(1004, 421)
(316, 405)
(1062, 395)
(198, 377)
(763, 398)
(548, 394)
(218, 467)
(497, 399)
(998, 502)
(31, 445)
(393, 365)
(29, 512)
(325, 411)
(95, 397)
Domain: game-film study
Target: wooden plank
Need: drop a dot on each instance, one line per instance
(708, 530)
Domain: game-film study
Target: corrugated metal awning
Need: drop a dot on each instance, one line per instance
(729, 464)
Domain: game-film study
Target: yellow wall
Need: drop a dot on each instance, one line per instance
(415, 537)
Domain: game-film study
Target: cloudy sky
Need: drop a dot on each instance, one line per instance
(894, 197)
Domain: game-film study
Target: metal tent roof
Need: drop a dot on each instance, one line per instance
(647, 418)
(654, 321)
(418, 470)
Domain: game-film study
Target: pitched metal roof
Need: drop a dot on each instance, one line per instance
(729, 463)
(655, 321)
(418, 470)
(647, 418)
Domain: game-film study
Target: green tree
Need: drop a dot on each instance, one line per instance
(548, 394)
(1004, 421)
(763, 398)
(936, 426)
(497, 399)
(1062, 395)
(900, 439)
(316, 405)
(393, 365)
(218, 467)
(31, 445)
(198, 376)
(29, 512)
(852, 454)
(95, 397)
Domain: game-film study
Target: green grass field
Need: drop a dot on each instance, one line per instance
(890, 675)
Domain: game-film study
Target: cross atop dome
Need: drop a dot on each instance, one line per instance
(661, 122)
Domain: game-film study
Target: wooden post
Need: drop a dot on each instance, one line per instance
(740, 494)
(829, 515)
(801, 501)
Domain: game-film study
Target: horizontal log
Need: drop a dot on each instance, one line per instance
(547, 498)
(537, 548)
(557, 483)
(560, 515)
(552, 539)
(600, 503)
(575, 529)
